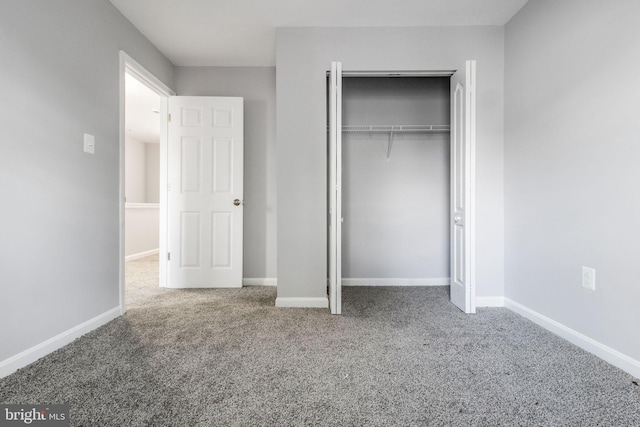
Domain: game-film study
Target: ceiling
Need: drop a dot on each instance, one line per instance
(242, 32)
(142, 111)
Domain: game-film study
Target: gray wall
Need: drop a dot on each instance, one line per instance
(303, 56)
(59, 240)
(152, 167)
(396, 209)
(258, 88)
(142, 171)
(135, 170)
(572, 150)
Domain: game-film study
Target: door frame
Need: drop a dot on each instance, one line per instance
(470, 167)
(335, 188)
(131, 66)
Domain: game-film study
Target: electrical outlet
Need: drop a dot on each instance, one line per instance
(589, 278)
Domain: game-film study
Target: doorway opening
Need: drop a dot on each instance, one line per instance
(142, 188)
(143, 105)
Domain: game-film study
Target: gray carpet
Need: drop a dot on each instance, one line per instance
(141, 278)
(396, 357)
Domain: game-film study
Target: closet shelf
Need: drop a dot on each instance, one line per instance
(396, 128)
(391, 129)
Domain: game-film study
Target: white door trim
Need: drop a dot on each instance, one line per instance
(335, 188)
(471, 64)
(131, 66)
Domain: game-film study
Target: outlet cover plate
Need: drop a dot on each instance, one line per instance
(589, 278)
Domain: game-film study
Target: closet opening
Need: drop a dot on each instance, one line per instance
(393, 179)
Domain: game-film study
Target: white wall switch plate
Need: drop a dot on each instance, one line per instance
(589, 278)
(89, 144)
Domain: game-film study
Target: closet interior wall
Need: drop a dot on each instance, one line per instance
(395, 197)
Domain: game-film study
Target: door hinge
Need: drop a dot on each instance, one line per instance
(168, 117)
(168, 256)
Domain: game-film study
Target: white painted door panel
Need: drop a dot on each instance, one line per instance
(335, 188)
(205, 210)
(463, 120)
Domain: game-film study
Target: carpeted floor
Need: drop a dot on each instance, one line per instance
(141, 277)
(396, 357)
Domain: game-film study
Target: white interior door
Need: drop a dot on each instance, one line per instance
(463, 135)
(205, 192)
(335, 188)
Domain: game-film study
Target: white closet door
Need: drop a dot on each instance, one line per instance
(205, 211)
(335, 188)
(463, 128)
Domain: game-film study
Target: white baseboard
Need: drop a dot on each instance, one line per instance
(311, 302)
(141, 255)
(427, 281)
(260, 281)
(489, 301)
(614, 357)
(34, 353)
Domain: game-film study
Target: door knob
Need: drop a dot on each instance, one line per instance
(236, 202)
(456, 219)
